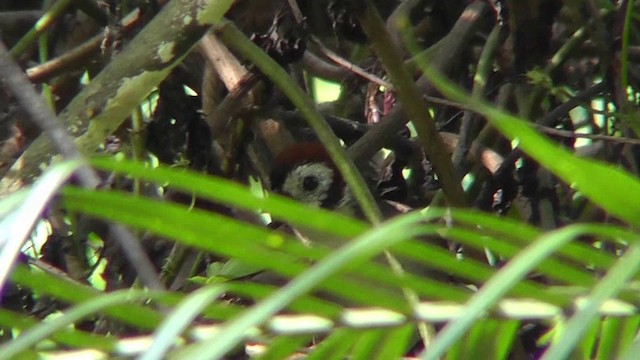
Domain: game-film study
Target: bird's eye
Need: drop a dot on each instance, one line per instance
(310, 183)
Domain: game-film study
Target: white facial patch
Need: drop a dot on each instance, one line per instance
(309, 183)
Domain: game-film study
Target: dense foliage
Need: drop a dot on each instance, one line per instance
(482, 197)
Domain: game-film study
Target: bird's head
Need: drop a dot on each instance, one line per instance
(306, 173)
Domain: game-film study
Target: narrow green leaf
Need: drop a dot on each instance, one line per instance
(367, 345)
(496, 224)
(588, 341)
(612, 331)
(359, 249)
(335, 346)
(628, 334)
(204, 230)
(552, 267)
(500, 284)
(633, 350)
(471, 345)
(305, 304)
(68, 337)
(213, 232)
(607, 288)
(520, 233)
(283, 346)
(490, 339)
(396, 342)
(502, 341)
(36, 334)
(179, 319)
(469, 269)
(612, 188)
(64, 290)
(236, 195)
(16, 227)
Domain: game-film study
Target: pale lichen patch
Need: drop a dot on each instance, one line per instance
(131, 91)
(43, 166)
(56, 159)
(165, 51)
(187, 20)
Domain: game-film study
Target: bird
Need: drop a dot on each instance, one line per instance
(305, 172)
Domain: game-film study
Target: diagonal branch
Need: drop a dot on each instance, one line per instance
(109, 99)
(414, 106)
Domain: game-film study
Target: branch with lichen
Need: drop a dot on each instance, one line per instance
(110, 98)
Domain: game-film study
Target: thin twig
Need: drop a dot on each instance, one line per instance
(321, 67)
(469, 126)
(550, 119)
(297, 14)
(552, 116)
(555, 114)
(574, 135)
(232, 102)
(78, 55)
(349, 65)
(564, 108)
(137, 256)
(455, 43)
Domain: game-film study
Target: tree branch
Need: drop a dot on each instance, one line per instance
(414, 105)
(109, 99)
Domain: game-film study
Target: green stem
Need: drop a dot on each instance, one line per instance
(235, 39)
(624, 56)
(413, 104)
(44, 330)
(624, 69)
(558, 58)
(43, 44)
(40, 27)
(43, 55)
(137, 142)
(468, 126)
(485, 62)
